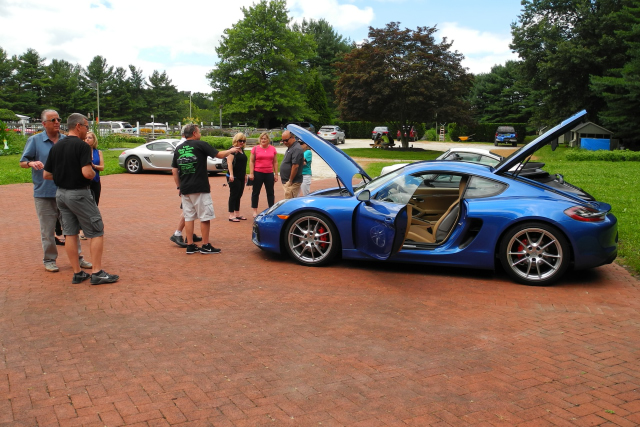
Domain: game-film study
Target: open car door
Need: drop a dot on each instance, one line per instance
(380, 228)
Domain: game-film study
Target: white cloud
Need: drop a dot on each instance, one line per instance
(482, 49)
(341, 16)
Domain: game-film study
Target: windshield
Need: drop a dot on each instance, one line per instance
(377, 182)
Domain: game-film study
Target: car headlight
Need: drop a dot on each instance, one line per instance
(275, 206)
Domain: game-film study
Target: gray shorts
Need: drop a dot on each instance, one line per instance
(78, 211)
(197, 206)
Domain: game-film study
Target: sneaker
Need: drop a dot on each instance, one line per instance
(51, 267)
(208, 249)
(196, 238)
(80, 277)
(192, 249)
(178, 240)
(102, 277)
(85, 264)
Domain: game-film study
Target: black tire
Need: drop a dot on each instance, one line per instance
(133, 164)
(534, 253)
(495, 143)
(311, 239)
(514, 144)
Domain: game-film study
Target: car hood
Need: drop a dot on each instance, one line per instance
(544, 139)
(343, 165)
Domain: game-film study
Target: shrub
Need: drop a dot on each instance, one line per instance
(149, 130)
(218, 142)
(15, 142)
(604, 155)
(431, 135)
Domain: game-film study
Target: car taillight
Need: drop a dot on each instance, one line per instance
(318, 132)
(585, 214)
(496, 133)
(516, 134)
(123, 153)
(334, 133)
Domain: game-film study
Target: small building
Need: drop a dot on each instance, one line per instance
(590, 131)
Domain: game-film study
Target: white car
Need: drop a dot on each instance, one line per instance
(333, 134)
(462, 154)
(157, 156)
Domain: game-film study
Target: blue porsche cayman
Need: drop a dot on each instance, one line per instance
(445, 213)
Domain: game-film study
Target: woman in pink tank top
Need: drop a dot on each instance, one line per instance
(263, 169)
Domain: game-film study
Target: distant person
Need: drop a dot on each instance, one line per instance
(263, 170)
(70, 167)
(291, 166)
(305, 188)
(237, 177)
(189, 169)
(35, 155)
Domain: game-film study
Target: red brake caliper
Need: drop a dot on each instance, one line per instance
(521, 248)
(321, 230)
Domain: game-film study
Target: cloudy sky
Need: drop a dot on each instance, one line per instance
(181, 36)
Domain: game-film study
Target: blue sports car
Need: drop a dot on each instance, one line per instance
(445, 213)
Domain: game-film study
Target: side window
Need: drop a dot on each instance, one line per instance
(479, 188)
(399, 190)
(161, 146)
(486, 160)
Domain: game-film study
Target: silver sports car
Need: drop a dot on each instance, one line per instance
(157, 155)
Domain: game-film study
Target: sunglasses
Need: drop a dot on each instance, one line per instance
(242, 140)
(57, 119)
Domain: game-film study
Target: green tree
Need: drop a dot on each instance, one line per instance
(99, 76)
(317, 101)
(620, 87)
(403, 77)
(263, 65)
(562, 44)
(118, 100)
(26, 84)
(137, 88)
(163, 98)
(62, 90)
(330, 46)
(501, 95)
(6, 70)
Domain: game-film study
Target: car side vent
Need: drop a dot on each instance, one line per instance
(147, 159)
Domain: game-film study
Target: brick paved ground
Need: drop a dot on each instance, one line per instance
(249, 339)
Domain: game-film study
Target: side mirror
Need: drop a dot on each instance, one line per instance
(364, 196)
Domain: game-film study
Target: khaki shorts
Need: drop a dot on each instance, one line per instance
(197, 206)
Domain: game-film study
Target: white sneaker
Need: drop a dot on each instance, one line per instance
(51, 267)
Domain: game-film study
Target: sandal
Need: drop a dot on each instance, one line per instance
(234, 220)
(241, 218)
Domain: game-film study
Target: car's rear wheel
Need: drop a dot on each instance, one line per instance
(513, 144)
(133, 165)
(495, 143)
(534, 253)
(311, 239)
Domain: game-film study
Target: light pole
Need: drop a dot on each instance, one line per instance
(190, 105)
(96, 86)
(220, 116)
(153, 127)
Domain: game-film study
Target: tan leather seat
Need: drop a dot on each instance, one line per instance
(440, 231)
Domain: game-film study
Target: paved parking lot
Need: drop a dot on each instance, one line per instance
(246, 338)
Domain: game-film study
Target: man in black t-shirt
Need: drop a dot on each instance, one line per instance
(189, 168)
(69, 166)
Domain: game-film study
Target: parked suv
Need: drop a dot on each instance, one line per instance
(506, 135)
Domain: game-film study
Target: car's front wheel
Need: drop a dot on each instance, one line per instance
(534, 253)
(311, 239)
(133, 165)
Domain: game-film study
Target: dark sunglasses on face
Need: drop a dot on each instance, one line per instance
(242, 141)
(57, 119)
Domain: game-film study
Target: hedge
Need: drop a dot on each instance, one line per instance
(604, 155)
(115, 140)
(484, 131)
(218, 142)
